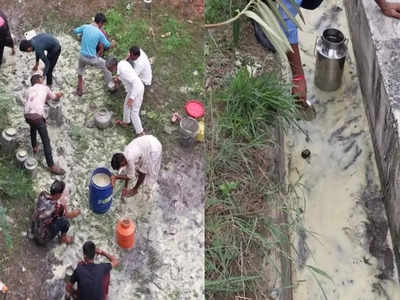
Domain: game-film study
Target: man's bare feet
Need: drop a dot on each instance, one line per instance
(121, 123)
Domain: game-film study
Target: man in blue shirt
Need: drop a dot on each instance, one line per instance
(91, 36)
(40, 43)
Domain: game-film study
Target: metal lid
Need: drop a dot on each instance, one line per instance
(21, 153)
(30, 162)
(11, 132)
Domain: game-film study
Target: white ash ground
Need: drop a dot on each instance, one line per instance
(167, 261)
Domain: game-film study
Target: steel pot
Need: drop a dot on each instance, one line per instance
(331, 51)
(9, 140)
(102, 118)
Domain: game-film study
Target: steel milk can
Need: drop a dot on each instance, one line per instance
(9, 140)
(331, 51)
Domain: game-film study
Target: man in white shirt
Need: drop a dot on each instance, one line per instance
(141, 63)
(134, 93)
(142, 159)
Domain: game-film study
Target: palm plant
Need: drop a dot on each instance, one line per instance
(268, 16)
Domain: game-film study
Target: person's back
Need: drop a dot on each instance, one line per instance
(41, 218)
(143, 68)
(93, 280)
(91, 36)
(129, 77)
(36, 97)
(45, 41)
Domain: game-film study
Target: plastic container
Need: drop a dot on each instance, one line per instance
(126, 233)
(200, 133)
(100, 195)
(194, 109)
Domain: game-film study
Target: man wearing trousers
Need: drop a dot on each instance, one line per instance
(91, 37)
(40, 43)
(134, 93)
(36, 97)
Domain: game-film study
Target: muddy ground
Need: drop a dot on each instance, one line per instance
(37, 273)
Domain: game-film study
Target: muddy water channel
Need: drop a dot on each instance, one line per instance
(346, 234)
(167, 261)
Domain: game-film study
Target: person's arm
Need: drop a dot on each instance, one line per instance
(70, 286)
(389, 9)
(113, 260)
(78, 30)
(39, 52)
(53, 96)
(104, 41)
(139, 182)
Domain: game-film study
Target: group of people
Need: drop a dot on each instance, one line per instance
(141, 159)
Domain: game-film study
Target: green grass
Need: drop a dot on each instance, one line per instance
(254, 104)
(244, 231)
(221, 10)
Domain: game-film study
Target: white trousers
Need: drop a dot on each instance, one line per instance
(131, 114)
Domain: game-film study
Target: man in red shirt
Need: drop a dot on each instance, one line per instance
(93, 279)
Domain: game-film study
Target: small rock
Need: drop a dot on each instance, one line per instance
(91, 123)
(23, 269)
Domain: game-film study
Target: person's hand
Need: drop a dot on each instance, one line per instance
(391, 9)
(75, 213)
(299, 89)
(99, 251)
(131, 193)
(130, 102)
(35, 67)
(113, 180)
(59, 95)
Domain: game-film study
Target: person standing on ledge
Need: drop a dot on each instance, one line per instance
(91, 37)
(93, 279)
(40, 43)
(142, 159)
(5, 36)
(299, 81)
(36, 97)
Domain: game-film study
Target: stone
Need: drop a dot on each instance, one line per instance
(169, 129)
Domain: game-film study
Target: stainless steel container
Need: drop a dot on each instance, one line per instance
(31, 164)
(331, 51)
(188, 128)
(102, 118)
(9, 140)
(21, 156)
(55, 112)
(147, 4)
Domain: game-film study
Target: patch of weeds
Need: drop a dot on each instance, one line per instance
(218, 11)
(126, 30)
(79, 135)
(4, 108)
(15, 183)
(7, 240)
(253, 104)
(177, 38)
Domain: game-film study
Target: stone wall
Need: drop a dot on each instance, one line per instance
(376, 43)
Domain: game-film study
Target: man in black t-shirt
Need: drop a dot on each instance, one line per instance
(93, 279)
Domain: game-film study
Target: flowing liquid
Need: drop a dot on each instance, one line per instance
(101, 179)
